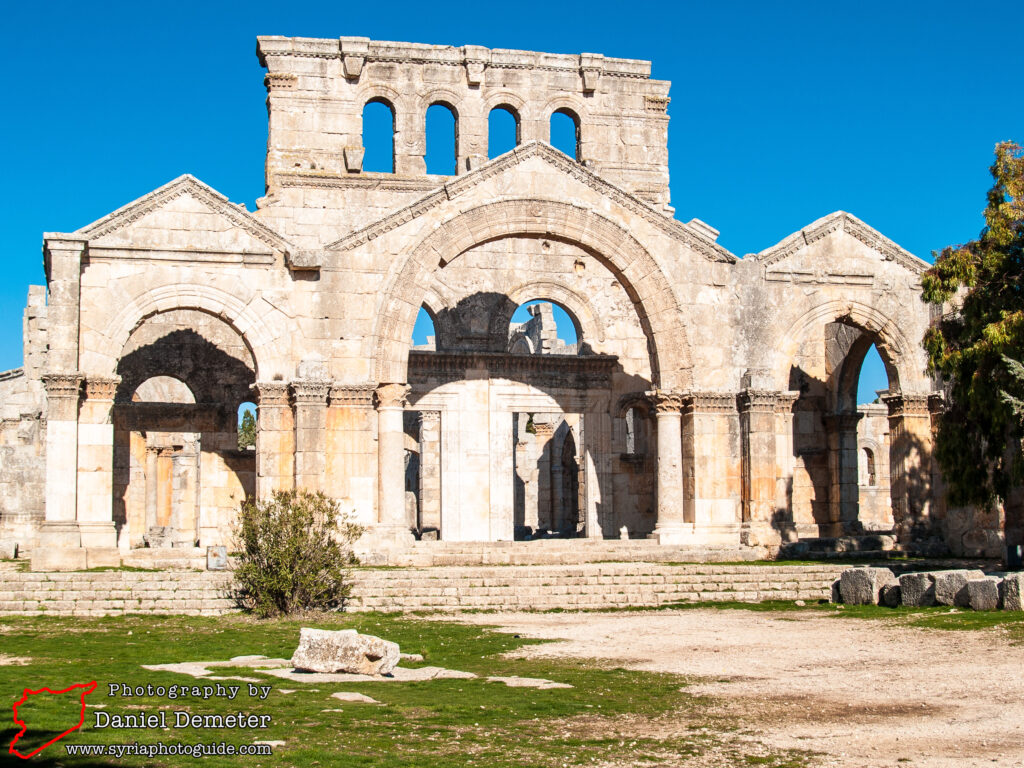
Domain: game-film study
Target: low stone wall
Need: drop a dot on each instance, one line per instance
(577, 587)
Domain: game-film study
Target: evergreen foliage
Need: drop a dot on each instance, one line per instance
(979, 343)
(247, 431)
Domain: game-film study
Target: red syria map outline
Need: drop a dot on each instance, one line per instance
(87, 689)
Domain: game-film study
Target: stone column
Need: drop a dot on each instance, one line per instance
(785, 460)
(391, 520)
(712, 467)
(430, 470)
(96, 463)
(310, 399)
(502, 477)
(596, 456)
(759, 468)
(544, 432)
(672, 526)
(844, 494)
(63, 264)
(274, 439)
(60, 532)
(910, 455)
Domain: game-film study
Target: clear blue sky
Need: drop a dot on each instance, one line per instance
(781, 112)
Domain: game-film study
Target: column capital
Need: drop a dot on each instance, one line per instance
(101, 387)
(352, 395)
(842, 420)
(392, 395)
(271, 393)
(310, 391)
(901, 404)
(710, 402)
(666, 400)
(63, 385)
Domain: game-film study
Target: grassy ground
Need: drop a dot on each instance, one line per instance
(607, 718)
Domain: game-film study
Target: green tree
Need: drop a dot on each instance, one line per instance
(977, 344)
(294, 551)
(247, 431)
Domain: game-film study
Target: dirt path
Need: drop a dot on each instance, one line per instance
(862, 693)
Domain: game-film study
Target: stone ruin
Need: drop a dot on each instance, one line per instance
(707, 401)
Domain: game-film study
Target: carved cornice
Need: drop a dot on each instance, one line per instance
(842, 221)
(710, 402)
(756, 400)
(101, 388)
(676, 229)
(907, 405)
(785, 401)
(551, 371)
(185, 185)
(352, 395)
(280, 81)
(62, 385)
(271, 394)
(666, 401)
(310, 391)
(392, 396)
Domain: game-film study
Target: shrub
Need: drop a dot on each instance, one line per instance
(294, 551)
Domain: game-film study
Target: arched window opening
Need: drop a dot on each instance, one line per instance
(442, 129)
(163, 389)
(565, 132)
(424, 337)
(247, 426)
(543, 328)
(502, 131)
(378, 137)
(873, 377)
(869, 475)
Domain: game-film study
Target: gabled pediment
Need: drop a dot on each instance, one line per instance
(840, 221)
(694, 237)
(184, 216)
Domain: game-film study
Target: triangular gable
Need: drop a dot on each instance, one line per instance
(845, 222)
(685, 233)
(230, 227)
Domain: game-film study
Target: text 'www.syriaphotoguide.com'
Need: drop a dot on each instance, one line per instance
(161, 749)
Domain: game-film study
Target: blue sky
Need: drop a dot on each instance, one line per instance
(781, 112)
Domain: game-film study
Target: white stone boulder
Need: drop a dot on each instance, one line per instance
(1011, 592)
(327, 651)
(890, 595)
(861, 586)
(917, 589)
(984, 593)
(8, 549)
(951, 586)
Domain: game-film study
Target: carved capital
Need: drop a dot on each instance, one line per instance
(785, 401)
(101, 387)
(310, 391)
(666, 401)
(907, 405)
(279, 81)
(392, 395)
(62, 386)
(271, 393)
(761, 401)
(352, 395)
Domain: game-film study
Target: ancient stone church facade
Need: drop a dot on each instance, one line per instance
(708, 400)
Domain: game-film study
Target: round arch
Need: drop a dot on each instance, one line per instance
(259, 330)
(893, 346)
(634, 268)
(590, 326)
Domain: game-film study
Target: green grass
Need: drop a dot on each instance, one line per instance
(605, 717)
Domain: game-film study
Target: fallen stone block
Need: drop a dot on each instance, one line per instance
(984, 593)
(1010, 591)
(355, 698)
(861, 586)
(346, 650)
(8, 549)
(951, 586)
(890, 594)
(917, 589)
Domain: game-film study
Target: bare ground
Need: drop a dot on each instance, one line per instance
(859, 693)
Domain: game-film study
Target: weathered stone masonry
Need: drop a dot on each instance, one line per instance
(710, 400)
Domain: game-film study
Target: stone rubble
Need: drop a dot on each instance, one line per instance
(964, 588)
(345, 650)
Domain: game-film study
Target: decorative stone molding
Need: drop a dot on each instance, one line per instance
(353, 55)
(666, 401)
(354, 159)
(784, 401)
(62, 393)
(392, 396)
(101, 388)
(280, 81)
(907, 405)
(352, 395)
(476, 58)
(710, 402)
(755, 400)
(656, 103)
(271, 393)
(310, 391)
(591, 67)
(546, 371)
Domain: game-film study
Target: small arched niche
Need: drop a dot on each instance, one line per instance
(163, 389)
(502, 130)
(541, 327)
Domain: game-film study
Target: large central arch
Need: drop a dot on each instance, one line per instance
(634, 268)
